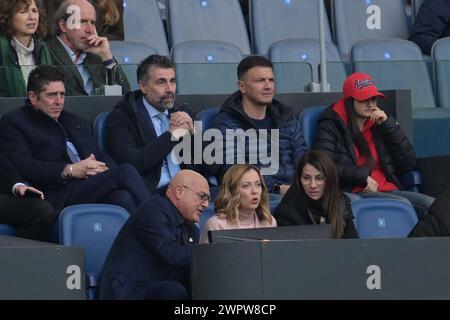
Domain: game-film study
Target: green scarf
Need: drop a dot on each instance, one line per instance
(14, 79)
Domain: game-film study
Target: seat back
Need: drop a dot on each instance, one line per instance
(206, 67)
(7, 230)
(212, 20)
(383, 218)
(93, 227)
(207, 117)
(358, 20)
(396, 64)
(291, 53)
(143, 24)
(277, 20)
(100, 130)
(308, 122)
(441, 54)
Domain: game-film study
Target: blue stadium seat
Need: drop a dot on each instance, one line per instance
(206, 67)
(396, 64)
(100, 130)
(212, 20)
(308, 122)
(383, 218)
(291, 54)
(206, 214)
(7, 230)
(441, 54)
(94, 227)
(358, 20)
(143, 24)
(277, 20)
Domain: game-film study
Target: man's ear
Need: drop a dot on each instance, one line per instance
(241, 86)
(33, 97)
(142, 87)
(179, 192)
(62, 25)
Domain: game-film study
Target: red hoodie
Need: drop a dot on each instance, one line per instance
(377, 173)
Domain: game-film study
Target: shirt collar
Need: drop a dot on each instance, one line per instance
(72, 55)
(152, 111)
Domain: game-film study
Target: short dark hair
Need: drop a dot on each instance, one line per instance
(251, 62)
(42, 76)
(153, 60)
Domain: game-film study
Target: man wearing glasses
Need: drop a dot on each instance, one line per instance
(151, 256)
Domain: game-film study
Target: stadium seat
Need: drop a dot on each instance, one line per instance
(100, 130)
(309, 117)
(7, 230)
(143, 24)
(396, 64)
(129, 54)
(277, 20)
(441, 54)
(206, 214)
(298, 57)
(206, 67)
(383, 218)
(94, 227)
(358, 20)
(212, 20)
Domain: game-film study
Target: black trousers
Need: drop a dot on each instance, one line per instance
(33, 218)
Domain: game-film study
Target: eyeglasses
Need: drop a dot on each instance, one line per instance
(203, 196)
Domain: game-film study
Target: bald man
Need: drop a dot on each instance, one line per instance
(151, 256)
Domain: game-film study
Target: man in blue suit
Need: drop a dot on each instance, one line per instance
(146, 124)
(56, 152)
(151, 256)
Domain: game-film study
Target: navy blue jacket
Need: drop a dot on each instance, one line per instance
(131, 138)
(291, 144)
(155, 244)
(36, 144)
(432, 23)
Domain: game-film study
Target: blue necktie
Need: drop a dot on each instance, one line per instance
(164, 126)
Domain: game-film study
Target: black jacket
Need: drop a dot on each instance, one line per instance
(292, 211)
(396, 153)
(131, 138)
(8, 175)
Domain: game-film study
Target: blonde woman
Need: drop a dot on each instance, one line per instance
(242, 202)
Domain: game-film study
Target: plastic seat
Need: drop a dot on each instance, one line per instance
(383, 218)
(94, 227)
(441, 54)
(7, 230)
(100, 130)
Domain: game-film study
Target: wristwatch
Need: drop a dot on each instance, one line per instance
(276, 188)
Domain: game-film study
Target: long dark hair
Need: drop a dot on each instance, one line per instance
(332, 200)
(357, 137)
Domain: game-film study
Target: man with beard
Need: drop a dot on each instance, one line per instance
(146, 125)
(75, 42)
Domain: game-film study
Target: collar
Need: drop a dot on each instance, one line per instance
(72, 55)
(20, 47)
(152, 111)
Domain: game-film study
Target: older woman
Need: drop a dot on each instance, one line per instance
(242, 202)
(21, 48)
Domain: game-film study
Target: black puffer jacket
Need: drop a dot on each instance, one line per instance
(394, 149)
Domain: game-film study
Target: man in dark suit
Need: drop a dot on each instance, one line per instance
(79, 52)
(55, 150)
(144, 127)
(151, 256)
(23, 207)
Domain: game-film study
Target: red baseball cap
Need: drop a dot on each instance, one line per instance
(361, 87)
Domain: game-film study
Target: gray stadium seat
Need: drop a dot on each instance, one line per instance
(441, 54)
(213, 20)
(206, 67)
(277, 20)
(306, 50)
(356, 20)
(129, 54)
(143, 24)
(396, 64)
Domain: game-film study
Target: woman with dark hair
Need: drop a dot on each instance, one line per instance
(315, 197)
(242, 202)
(21, 47)
(367, 145)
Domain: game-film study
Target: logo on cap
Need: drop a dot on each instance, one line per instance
(364, 83)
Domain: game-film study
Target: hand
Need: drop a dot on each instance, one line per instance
(181, 120)
(21, 189)
(284, 188)
(372, 185)
(378, 116)
(88, 167)
(99, 46)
